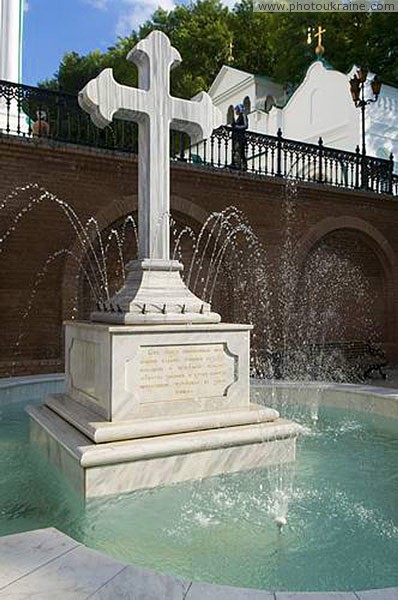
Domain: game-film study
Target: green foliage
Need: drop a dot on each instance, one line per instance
(268, 44)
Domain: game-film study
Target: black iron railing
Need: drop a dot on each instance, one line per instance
(277, 156)
(41, 113)
(395, 184)
(34, 113)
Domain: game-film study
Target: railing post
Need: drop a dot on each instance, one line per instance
(212, 149)
(182, 145)
(320, 165)
(364, 172)
(8, 115)
(357, 164)
(279, 152)
(391, 175)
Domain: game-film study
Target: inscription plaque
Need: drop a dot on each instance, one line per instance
(162, 373)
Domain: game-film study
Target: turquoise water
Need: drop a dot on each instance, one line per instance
(341, 499)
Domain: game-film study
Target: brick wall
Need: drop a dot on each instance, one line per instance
(40, 274)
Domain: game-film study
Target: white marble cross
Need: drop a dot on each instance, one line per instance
(156, 111)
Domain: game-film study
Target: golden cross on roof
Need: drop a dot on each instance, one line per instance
(319, 34)
(319, 50)
(231, 57)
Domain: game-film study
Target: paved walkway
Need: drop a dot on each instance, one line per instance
(48, 565)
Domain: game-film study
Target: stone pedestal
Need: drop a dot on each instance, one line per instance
(155, 294)
(152, 405)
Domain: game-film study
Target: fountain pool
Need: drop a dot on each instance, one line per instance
(340, 500)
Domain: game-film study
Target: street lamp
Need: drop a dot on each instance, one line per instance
(357, 89)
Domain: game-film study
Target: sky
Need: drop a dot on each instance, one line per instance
(53, 27)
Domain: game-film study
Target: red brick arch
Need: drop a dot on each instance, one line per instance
(372, 237)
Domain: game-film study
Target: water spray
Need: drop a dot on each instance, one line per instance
(281, 522)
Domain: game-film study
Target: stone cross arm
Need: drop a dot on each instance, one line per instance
(156, 111)
(197, 117)
(105, 99)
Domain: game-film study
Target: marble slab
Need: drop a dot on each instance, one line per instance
(47, 564)
(383, 594)
(149, 473)
(22, 553)
(72, 576)
(133, 583)
(315, 596)
(124, 373)
(207, 591)
(125, 466)
(86, 422)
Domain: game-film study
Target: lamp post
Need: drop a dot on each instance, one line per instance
(357, 88)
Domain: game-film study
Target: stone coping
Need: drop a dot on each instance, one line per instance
(31, 387)
(373, 399)
(162, 327)
(48, 564)
(7, 382)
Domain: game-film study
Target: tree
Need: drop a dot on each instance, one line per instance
(264, 43)
(202, 34)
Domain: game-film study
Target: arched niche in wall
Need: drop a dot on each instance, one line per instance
(346, 273)
(247, 104)
(230, 115)
(269, 103)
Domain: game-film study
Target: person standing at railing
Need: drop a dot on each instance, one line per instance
(239, 127)
(41, 127)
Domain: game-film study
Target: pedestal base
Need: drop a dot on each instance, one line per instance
(136, 372)
(119, 467)
(155, 294)
(153, 405)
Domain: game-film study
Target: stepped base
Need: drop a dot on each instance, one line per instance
(125, 466)
(86, 421)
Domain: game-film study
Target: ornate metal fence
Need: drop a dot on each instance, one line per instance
(41, 113)
(276, 156)
(395, 185)
(34, 113)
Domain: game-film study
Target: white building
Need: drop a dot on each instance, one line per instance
(320, 107)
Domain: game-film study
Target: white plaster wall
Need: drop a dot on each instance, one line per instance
(235, 96)
(322, 107)
(258, 121)
(266, 87)
(382, 124)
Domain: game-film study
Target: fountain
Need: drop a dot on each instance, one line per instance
(157, 387)
(157, 392)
